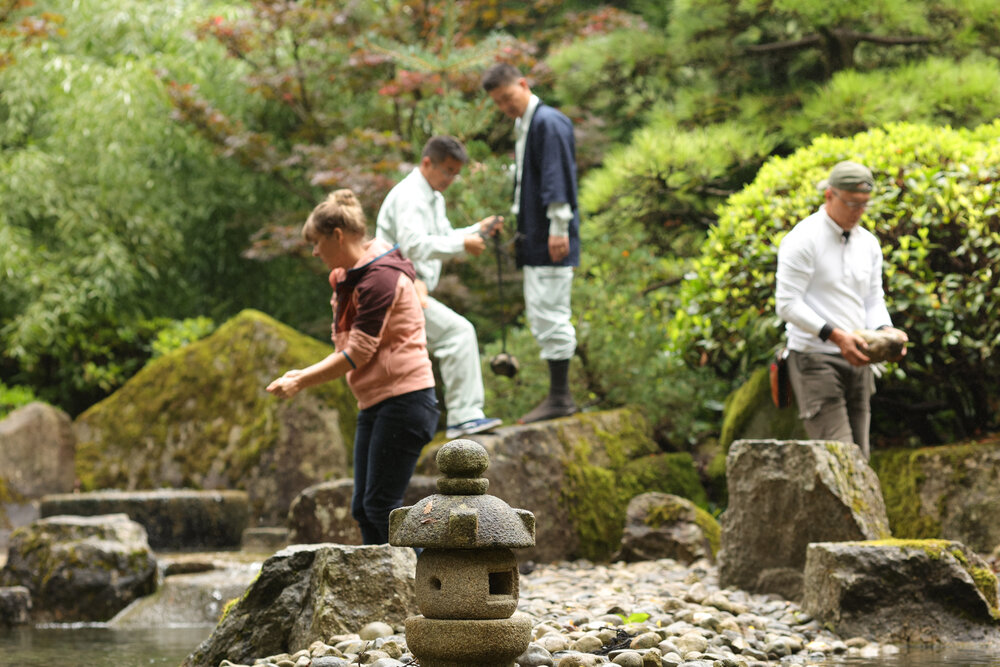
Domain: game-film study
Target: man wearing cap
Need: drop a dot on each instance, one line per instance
(829, 285)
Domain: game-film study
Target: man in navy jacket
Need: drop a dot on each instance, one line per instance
(548, 226)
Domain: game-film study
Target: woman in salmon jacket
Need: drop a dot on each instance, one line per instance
(381, 347)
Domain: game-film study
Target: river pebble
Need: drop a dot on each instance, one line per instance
(649, 614)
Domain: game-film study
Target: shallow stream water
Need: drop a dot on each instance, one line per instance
(926, 657)
(99, 646)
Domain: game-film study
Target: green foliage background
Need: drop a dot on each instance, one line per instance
(115, 219)
(156, 162)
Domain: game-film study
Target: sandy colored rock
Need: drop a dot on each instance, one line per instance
(660, 525)
(37, 449)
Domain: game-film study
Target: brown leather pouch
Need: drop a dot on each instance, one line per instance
(781, 388)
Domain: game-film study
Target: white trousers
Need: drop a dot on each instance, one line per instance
(451, 341)
(547, 308)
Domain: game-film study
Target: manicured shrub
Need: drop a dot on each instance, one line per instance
(935, 91)
(669, 180)
(618, 77)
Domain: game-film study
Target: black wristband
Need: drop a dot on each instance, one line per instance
(825, 332)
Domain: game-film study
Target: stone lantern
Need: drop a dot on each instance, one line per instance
(467, 579)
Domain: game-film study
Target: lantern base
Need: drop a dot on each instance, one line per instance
(468, 643)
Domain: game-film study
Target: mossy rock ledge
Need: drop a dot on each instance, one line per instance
(915, 591)
(200, 418)
(577, 475)
(948, 492)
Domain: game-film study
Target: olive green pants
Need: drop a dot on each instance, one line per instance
(834, 397)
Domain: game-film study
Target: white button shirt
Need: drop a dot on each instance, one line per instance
(413, 216)
(824, 278)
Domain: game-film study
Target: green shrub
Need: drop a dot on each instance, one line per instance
(935, 211)
(618, 77)
(936, 91)
(179, 333)
(670, 181)
(12, 398)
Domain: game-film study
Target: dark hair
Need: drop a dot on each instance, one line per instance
(340, 210)
(442, 147)
(499, 75)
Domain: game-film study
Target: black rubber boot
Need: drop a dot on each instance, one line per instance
(559, 402)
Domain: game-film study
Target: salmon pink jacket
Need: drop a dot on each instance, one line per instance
(378, 325)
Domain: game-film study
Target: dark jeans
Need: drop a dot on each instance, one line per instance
(387, 443)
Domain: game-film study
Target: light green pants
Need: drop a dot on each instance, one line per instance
(547, 309)
(451, 341)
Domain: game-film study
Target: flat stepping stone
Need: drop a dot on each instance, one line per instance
(174, 519)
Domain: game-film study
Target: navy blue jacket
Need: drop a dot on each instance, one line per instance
(547, 175)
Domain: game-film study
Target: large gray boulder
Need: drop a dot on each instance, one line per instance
(948, 492)
(577, 476)
(200, 418)
(784, 495)
(659, 525)
(919, 591)
(37, 446)
(174, 519)
(311, 592)
(80, 568)
(322, 512)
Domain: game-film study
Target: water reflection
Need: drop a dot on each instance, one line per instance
(917, 656)
(98, 646)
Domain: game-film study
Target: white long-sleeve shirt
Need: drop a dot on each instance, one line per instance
(413, 216)
(823, 278)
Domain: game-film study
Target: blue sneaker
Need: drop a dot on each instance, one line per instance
(472, 426)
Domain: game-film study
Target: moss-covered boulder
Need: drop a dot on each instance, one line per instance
(322, 512)
(577, 476)
(312, 592)
(946, 492)
(659, 525)
(920, 591)
(750, 414)
(200, 418)
(80, 568)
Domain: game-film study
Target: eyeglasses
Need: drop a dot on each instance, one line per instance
(853, 205)
(448, 170)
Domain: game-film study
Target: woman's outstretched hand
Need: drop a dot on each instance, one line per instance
(287, 385)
